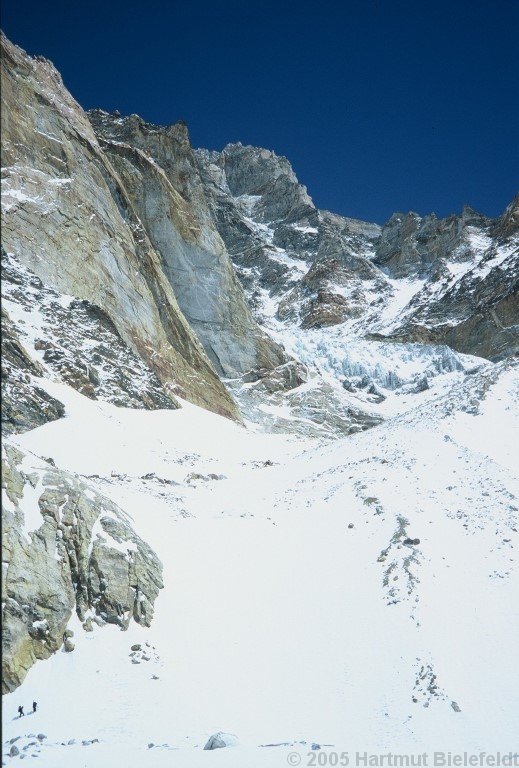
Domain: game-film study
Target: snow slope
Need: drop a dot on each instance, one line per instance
(279, 622)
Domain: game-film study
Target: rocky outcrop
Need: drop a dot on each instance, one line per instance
(284, 377)
(65, 548)
(157, 167)
(68, 217)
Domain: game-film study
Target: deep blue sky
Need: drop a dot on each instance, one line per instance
(380, 105)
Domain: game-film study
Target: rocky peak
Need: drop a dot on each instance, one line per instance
(254, 172)
(250, 169)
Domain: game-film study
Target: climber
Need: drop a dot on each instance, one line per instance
(20, 711)
(34, 706)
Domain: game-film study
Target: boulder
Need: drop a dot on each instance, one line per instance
(220, 740)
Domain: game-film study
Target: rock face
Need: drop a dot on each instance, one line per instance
(65, 548)
(158, 169)
(508, 224)
(478, 314)
(68, 217)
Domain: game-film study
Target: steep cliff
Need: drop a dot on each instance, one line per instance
(68, 217)
(157, 167)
